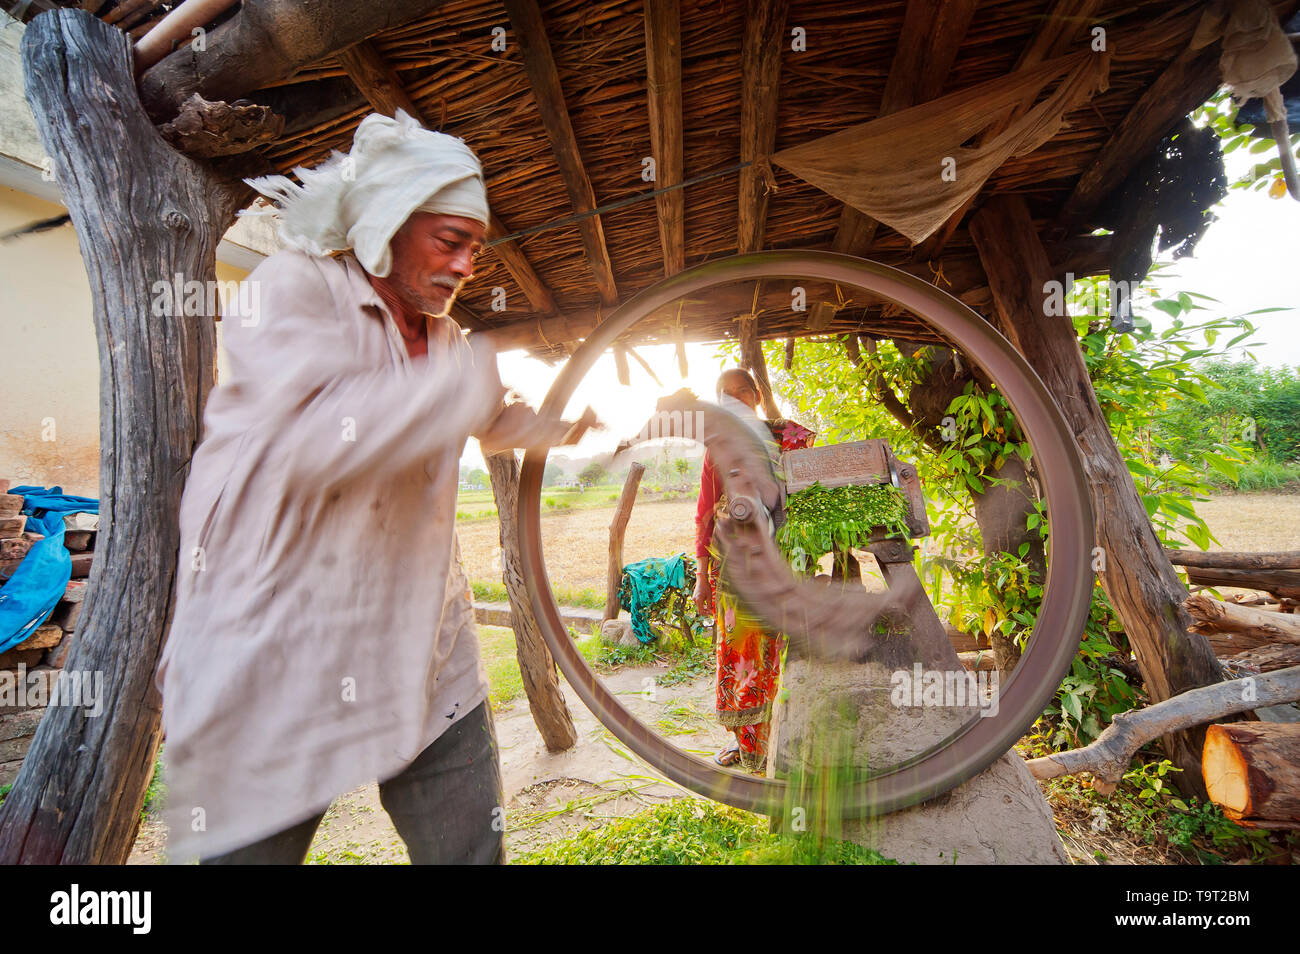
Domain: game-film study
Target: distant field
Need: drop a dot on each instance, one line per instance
(472, 505)
(576, 543)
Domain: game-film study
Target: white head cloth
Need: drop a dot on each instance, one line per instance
(358, 201)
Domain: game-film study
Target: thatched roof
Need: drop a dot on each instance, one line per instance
(862, 59)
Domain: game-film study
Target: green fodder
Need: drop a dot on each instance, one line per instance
(691, 831)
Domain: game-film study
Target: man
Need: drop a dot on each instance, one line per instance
(324, 634)
(748, 657)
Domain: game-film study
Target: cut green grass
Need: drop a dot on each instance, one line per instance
(691, 831)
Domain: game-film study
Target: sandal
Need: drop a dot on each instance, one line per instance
(729, 756)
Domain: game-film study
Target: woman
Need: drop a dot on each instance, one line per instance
(748, 657)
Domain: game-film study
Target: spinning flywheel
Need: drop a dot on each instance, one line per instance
(842, 624)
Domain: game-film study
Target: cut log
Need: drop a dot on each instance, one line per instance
(1230, 560)
(617, 527)
(1216, 616)
(1278, 582)
(1268, 658)
(541, 682)
(1108, 757)
(1252, 770)
(143, 213)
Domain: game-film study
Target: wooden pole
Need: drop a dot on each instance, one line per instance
(617, 528)
(1225, 560)
(1136, 574)
(144, 213)
(1215, 616)
(541, 682)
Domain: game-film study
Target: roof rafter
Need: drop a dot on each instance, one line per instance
(539, 63)
(760, 65)
(380, 84)
(933, 31)
(1058, 33)
(663, 43)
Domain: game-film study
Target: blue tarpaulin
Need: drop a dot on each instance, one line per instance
(34, 590)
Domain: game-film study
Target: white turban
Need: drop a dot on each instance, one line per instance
(358, 201)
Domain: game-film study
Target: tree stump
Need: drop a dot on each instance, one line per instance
(143, 213)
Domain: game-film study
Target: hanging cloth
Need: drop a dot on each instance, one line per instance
(892, 168)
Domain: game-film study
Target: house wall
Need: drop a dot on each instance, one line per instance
(49, 361)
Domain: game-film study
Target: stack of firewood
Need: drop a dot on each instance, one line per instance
(1251, 769)
(28, 669)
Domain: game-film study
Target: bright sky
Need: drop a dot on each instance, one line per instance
(1248, 259)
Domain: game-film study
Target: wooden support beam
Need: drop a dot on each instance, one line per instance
(933, 31)
(1188, 81)
(539, 63)
(760, 65)
(366, 67)
(1081, 256)
(663, 44)
(1137, 576)
(1066, 21)
(266, 42)
(541, 681)
(77, 797)
(751, 356)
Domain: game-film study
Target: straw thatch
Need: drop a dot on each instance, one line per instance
(456, 81)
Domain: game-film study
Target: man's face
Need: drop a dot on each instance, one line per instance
(433, 255)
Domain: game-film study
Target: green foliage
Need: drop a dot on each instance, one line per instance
(592, 474)
(486, 591)
(4, 791)
(157, 790)
(1220, 113)
(821, 519)
(690, 831)
(1146, 806)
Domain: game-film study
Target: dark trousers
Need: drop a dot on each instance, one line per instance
(446, 805)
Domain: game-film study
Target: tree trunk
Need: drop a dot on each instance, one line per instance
(1252, 770)
(143, 214)
(1143, 588)
(617, 527)
(541, 682)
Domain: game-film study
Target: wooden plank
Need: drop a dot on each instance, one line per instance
(539, 63)
(663, 44)
(760, 65)
(933, 31)
(1234, 560)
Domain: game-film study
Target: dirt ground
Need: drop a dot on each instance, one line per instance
(548, 797)
(552, 796)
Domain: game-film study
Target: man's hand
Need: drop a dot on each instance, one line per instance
(518, 425)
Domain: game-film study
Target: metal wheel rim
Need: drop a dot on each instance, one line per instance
(1067, 591)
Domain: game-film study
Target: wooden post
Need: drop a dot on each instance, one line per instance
(541, 683)
(617, 528)
(143, 214)
(1138, 577)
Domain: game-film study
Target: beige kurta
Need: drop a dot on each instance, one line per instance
(324, 633)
